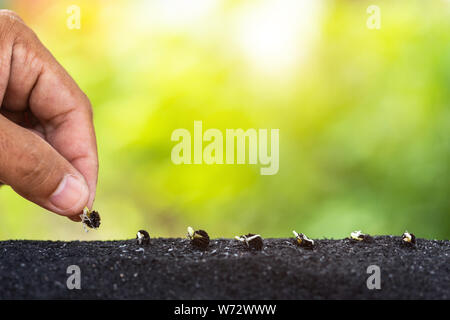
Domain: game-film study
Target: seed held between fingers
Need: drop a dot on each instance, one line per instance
(90, 219)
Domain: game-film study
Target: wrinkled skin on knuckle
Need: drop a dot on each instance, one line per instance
(13, 28)
(27, 46)
(10, 23)
(8, 30)
(25, 54)
(9, 14)
(33, 169)
(13, 31)
(30, 65)
(5, 146)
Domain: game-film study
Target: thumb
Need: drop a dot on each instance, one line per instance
(38, 172)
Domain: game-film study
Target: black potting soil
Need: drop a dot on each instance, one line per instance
(174, 269)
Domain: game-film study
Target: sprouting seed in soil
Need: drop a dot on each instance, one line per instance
(359, 236)
(302, 240)
(142, 237)
(253, 241)
(199, 238)
(409, 238)
(90, 219)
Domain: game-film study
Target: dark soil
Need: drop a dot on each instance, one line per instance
(173, 269)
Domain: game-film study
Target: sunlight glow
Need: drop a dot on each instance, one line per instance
(276, 35)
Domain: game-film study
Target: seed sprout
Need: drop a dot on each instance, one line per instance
(359, 236)
(302, 240)
(253, 241)
(90, 219)
(142, 237)
(191, 232)
(409, 238)
(199, 238)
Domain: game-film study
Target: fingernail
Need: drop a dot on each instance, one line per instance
(71, 190)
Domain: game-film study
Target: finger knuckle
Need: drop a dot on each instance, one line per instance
(10, 21)
(5, 146)
(9, 14)
(32, 168)
(25, 55)
(13, 27)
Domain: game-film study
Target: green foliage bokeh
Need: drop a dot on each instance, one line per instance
(364, 117)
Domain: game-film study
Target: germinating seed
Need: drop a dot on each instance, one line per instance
(409, 238)
(142, 237)
(199, 238)
(253, 241)
(303, 241)
(359, 236)
(90, 219)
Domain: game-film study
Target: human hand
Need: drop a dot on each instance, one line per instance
(48, 151)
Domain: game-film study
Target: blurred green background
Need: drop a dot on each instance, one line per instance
(364, 115)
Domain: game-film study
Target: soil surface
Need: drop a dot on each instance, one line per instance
(173, 269)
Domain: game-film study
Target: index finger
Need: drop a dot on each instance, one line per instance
(66, 115)
(38, 82)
